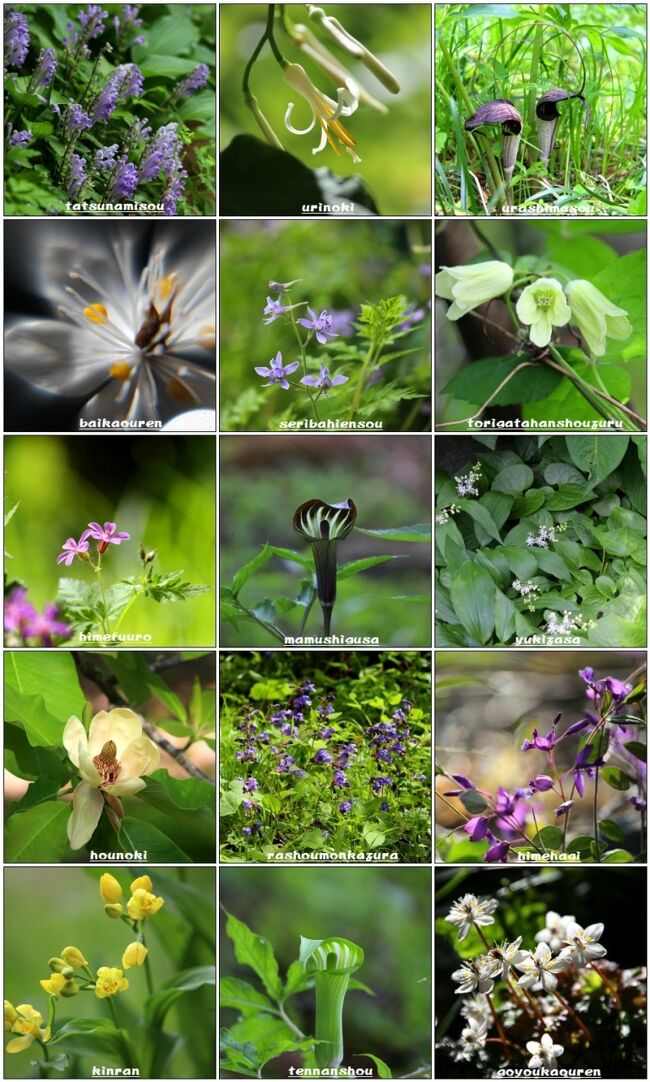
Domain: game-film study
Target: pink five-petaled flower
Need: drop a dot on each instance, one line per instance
(324, 381)
(278, 371)
(72, 548)
(106, 535)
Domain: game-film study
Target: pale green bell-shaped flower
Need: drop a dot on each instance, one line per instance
(596, 317)
(542, 306)
(468, 287)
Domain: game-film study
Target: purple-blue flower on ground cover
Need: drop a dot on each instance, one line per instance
(321, 325)
(76, 119)
(322, 756)
(250, 784)
(249, 805)
(578, 726)
(302, 700)
(324, 381)
(72, 548)
(384, 756)
(285, 762)
(45, 68)
(196, 80)
(127, 24)
(307, 687)
(381, 783)
(341, 780)
(345, 806)
(77, 175)
(384, 806)
(248, 755)
(299, 773)
(16, 34)
(247, 831)
(278, 371)
(125, 180)
(327, 732)
(105, 157)
(92, 25)
(20, 138)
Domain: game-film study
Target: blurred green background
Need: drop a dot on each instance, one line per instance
(342, 266)
(385, 910)
(395, 149)
(62, 907)
(265, 478)
(160, 490)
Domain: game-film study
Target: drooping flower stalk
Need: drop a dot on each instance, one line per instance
(503, 112)
(548, 116)
(323, 524)
(332, 961)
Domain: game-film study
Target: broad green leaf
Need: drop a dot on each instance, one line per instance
(186, 792)
(472, 594)
(482, 516)
(421, 533)
(611, 830)
(617, 856)
(513, 479)
(597, 456)
(505, 615)
(172, 35)
(383, 1070)
(552, 564)
(92, 1036)
(297, 980)
(477, 381)
(242, 576)
(139, 683)
(293, 556)
(373, 835)
(242, 996)
(240, 1056)
(32, 763)
(549, 838)
(623, 282)
(145, 837)
(581, 844)
(255, 951)
(636, 748)
(615, 778)
(198, 820)
(355, 566)
(41, 692)
(38, 836)
(567, 496)
(187, 980)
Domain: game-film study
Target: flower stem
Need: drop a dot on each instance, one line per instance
(499, 1028)
(147, 967)
(304, 363)
(111, 1007)
(362, 378)
(569, 1008)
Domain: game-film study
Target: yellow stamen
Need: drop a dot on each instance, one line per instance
(167, 285)
(120, 370)
(206, 336)
(96, 313)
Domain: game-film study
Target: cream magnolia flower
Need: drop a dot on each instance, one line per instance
(542, 306)
(541, 967)
(470, 286)
(544, 1052)
(324, 110)
(583, 943)
(110, 759)
(596, 317)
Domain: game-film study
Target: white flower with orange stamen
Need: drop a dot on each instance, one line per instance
(324, 110)
(129, 336)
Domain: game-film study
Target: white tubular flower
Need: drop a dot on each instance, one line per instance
(544, 1053)
(468, 911)
(309, 44)
(111, 759)
(324, 110)
(506, 956)
(583, 943)
(468, 287)
(472, 1038)
(555, 931)
(542, 306)
(541, 967)
(596, 317)
(473, 976)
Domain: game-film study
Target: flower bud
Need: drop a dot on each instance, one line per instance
(596, 317)
(143, 882)
(56, 964)
(110, 889)
(113, 911)
(70, 989)
(10, 1014)
(468, 287)
(134, 955)
(73, 957)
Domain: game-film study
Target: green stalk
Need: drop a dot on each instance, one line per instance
(360, 382)
(325, 562)
(330, 994)
(532, 80)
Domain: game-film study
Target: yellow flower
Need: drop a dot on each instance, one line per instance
(324, 110)
(74, 957)
(134, 955)
(143, 882)
(27, 1023)
(143, 904)
(113, 911)
(111, 758)
(110, 981)
(10, 1014)
(110, 889)
(54, 984)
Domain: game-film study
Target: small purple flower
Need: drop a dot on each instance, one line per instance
(307, 687)
(285, 762)
(274, 308)
(16, 31)
(322, 756)
(127, 24)
(125, 180)
(477, 828)
(587, 675)
(578, 726)
(384, 756)
(381, 783)
(563, 809)
(324, 381)
(44, 626)
(345, 806)
(302, 700)
(45, 68)
(125, 82)
(342, 323)
(72, 548)
(20, 138)
(108, 534)
(17, 609)
(247, 831)
(384, 806)
(341, 780)
(92, 22)
(299, 773)
(464, 782)
(399, 715)
(504, 804)
(638, 802)
(412, 316)
(170, 145)
(196, 80)
(543, 743)
(407, 706)
(76, 119)
(497, 853)
(174, 191)
(541, 784)
(583, 768)
(327, 732)
(250, 784)
(105, 157)
(248, 804)
(321, 325)
(249, 755)
(77, 175)
(278, 371)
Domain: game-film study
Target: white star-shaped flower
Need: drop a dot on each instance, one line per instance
(468, 911)
(544, 1053)
(583, 943)
(541, 967)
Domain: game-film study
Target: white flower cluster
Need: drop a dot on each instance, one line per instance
(443, 516)
(546, 534)
(466, 486)
(528, 591)
(569, 623)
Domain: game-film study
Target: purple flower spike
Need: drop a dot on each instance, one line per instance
(125, 180)
(324, 381)
(541, 784)
(278, 371)
(464, 782)
(321, 325)
(76, 119)
(497, 853)
(72, 548)
(16, 33)
(45, 68)
(196, 80)
(20, 138)
(477, 828)
(322, 756)
(341, 780)
(77, 175)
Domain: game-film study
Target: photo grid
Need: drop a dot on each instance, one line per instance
(412, 462)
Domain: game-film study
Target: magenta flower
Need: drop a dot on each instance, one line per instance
(497, 853)
(583, 768)
(321, 325)
(477, 828)
(541, 784)
(72, 548)
(108, 534)
(504, 804)
(17, 609)
(278, 371)
(324, 381)
(44, 626)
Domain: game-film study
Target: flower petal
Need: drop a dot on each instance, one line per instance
(120, 725)
(140, 757)
(74, 734)
(87, 804)
(128, 787)
(55, 356)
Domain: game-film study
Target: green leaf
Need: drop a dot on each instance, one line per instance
(552, 564)
(505, 615)
(242, 576)
(190, 793)
(472, 594)
(513, 479)
(172, 35)
(32, 763)
(623, 282)
(39, 835)
(231, 798)
(354, 566)
(598, 456)
(92, 1036)
(549, 838)
(148, 838)
(383, 1070)
(477, 381)
(611, 830)
(169, 991)
(615, 778)
(421, 533)
(581, 844)
(240, 1056)
(373, 835)
(617, 856)
(481, 515)
(242, 996)
(636, 748)
(139, 683)
(297, 980)
(255, 951)
(41, 692)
